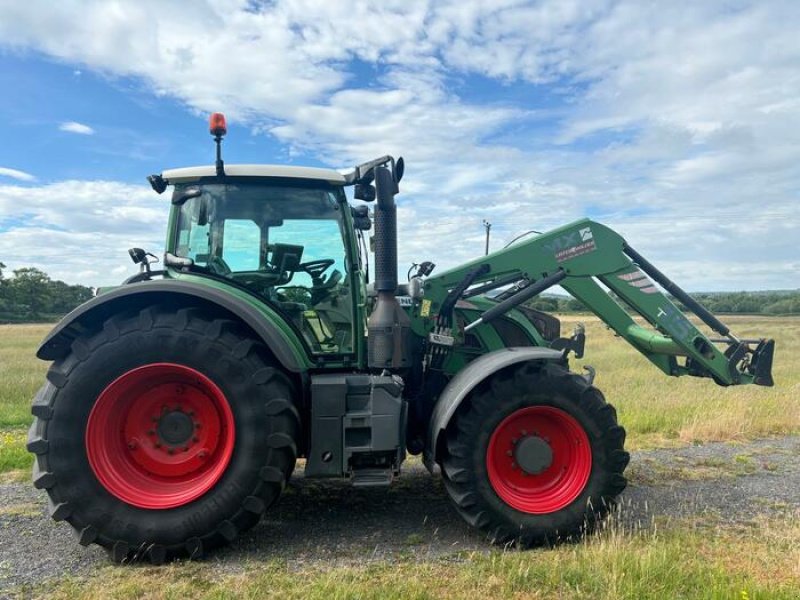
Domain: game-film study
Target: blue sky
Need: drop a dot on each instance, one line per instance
(675, 123)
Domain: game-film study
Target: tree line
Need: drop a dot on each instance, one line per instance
(749, 303)
(30, 295)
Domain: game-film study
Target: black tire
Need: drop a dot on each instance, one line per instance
(464, 459)
(261, 399)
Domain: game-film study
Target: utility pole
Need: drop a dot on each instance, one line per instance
(488, 227)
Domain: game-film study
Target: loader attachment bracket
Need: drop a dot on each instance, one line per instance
(761, 364)
(575, 344)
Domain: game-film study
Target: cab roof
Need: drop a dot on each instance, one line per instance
(189, 174)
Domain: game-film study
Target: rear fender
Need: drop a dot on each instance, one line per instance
(133, 296)
(465, 381)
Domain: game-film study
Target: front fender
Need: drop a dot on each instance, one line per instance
(465, 381)
(287, 350)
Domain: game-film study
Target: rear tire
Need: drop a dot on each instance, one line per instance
(534, 455)
(213, 456)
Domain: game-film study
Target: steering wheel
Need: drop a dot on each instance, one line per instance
(316, 268)
(218, 266)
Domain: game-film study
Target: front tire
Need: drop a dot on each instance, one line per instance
(164, 434)
(534, 455)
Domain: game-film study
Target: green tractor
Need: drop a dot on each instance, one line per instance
(178, 403)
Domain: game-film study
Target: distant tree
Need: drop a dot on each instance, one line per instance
(4, 303)
(544, 303)
(30, 291)
(65, 297)
(787, 306)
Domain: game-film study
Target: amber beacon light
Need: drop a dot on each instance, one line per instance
(216, 125)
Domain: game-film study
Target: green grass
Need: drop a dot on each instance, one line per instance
(686, 560)
(21, 373)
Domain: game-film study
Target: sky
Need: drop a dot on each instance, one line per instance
(676, 123)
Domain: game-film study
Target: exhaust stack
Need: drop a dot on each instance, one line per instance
(389, 327)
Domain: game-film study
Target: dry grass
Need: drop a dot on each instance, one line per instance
(658, 410)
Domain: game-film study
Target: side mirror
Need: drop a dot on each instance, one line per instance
(399, 169)
(137, 255)
(361, 217)
(365, 192)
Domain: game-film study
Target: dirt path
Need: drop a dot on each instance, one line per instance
(333, 522)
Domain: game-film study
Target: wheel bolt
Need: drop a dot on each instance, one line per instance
(170, 451)
(158, 444)
(203, 453)
(198, 425)
(190, 413)
(132, 445)
(509, 453)
(514, 440)
(151, 432)
(195, 439)
(513, 465)
(524, 433)
(186, 448)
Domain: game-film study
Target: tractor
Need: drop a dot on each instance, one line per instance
(178, 403)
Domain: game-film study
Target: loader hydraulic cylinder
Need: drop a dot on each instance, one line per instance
(518, 298)
(673, 289)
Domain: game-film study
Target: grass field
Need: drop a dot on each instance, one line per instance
(686, 559)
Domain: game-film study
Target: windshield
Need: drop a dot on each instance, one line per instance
(284, 243)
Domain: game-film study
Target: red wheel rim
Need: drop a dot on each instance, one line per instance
(558, 459)
(160, 436)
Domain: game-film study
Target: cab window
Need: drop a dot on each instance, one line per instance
(283, 243)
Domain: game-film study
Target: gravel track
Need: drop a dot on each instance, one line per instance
(331, 522)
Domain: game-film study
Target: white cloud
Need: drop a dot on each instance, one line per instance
(16, 174)
(75, 127)
(675, 123)
(70, 228)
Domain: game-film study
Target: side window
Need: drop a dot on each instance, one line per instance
(194, 242)
(241, 245)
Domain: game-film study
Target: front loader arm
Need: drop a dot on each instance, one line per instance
(586, 258)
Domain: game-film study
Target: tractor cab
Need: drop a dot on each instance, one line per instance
(283, 234)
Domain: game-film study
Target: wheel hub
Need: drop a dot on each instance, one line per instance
(533, 454)
(175, 428)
